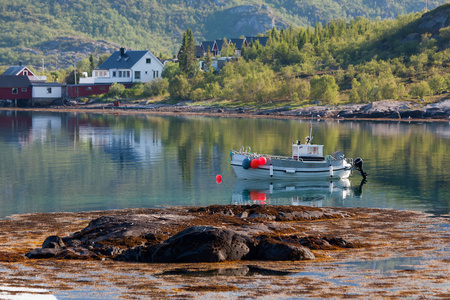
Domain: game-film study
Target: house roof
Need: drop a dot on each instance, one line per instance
(206, 44)
(198, 51)
(125, 61)
(261, 39)
(238, 43)
(13, 70)
(49, 84)
(219, 44)
(13, 81)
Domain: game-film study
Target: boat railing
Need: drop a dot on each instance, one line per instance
(248, 153)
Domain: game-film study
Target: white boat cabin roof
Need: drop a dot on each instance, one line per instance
(306, 150)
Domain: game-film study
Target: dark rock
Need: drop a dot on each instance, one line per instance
(203, 244)
(73, 243)
(302, 215)
(76, 253)
(108, 251)
(53, 242)
(139, 254)
(272, 249)
(44, 253)
(262, 216)
(412, 114)
(340, 242)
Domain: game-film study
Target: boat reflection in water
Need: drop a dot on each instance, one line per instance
(306, 192)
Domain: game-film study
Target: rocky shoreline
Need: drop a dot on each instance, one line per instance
(381, 110)
(233, 233)
(228, 252)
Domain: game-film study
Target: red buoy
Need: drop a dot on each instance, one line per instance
(219, 178)
(254, 163)
(262, 160)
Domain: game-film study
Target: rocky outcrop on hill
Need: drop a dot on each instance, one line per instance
(234, 233)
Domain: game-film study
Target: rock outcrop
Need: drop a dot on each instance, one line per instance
(387, 109)
(253, 233)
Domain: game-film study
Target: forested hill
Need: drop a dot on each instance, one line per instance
(64, 31)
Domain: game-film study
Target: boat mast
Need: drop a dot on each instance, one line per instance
(310, 137)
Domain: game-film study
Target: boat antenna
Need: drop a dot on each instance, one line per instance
(310, 137)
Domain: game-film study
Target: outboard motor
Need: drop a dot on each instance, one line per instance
(357, 164)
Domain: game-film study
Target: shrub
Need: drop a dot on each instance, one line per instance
(437, 84)
(116, 89)
(324, 88)
(420, 89)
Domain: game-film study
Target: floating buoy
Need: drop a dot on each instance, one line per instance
(262, 160)
(254, 163)
(246, 163)
(219, 178)
(254, 195)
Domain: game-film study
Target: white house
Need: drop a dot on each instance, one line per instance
(126, 67)
(44, 93)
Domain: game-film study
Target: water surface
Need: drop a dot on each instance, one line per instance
(52, 162)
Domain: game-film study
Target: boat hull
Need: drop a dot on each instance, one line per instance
(290, 169)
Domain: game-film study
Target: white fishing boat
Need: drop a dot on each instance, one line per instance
(307, 161)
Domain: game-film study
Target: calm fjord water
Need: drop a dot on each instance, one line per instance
(53, 162)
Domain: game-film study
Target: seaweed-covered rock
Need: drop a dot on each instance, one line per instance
(44, 253)
(203, 244)
(272, 249)
(53, 241)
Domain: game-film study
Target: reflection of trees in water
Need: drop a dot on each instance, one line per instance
(94, 148)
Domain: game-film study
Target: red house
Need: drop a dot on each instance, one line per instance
(24, 71)
(17, 89)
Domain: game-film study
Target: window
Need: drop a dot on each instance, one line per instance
(23, 89)
(137, 74)
(102, 88)
(157, 73)
(15, 91)
(114, 73)
(88, 88)
(25, 73)
(49, 90)
(120, 73)
(153, 73)
(128, 73)
(148, 60)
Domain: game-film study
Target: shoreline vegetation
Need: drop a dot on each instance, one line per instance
(381, 252)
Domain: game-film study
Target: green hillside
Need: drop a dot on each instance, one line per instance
(356, 61)
(63, 31)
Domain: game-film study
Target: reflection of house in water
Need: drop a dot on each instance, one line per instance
(16, 127)
(124, 145)
(29, 126)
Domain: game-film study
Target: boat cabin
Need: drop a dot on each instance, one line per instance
(307, 152)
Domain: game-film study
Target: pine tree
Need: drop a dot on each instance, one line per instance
(187, 52)
(91, 63)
